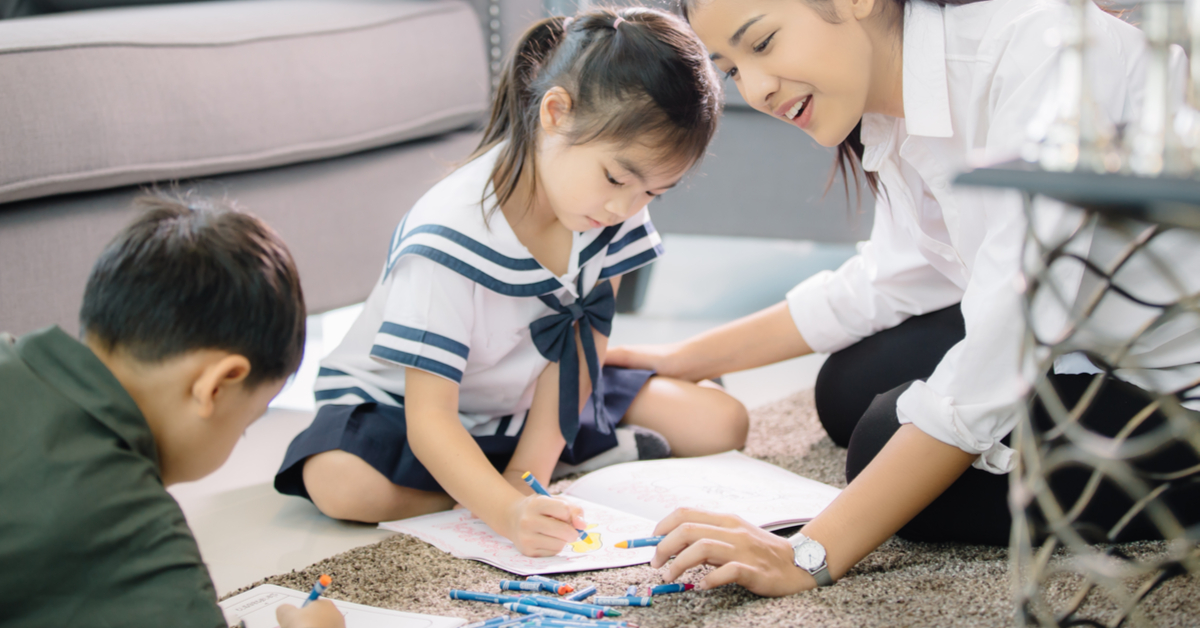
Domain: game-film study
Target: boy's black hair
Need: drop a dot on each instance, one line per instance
(192, 274)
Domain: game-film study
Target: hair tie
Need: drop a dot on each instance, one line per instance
(567, 23)
(617, 22)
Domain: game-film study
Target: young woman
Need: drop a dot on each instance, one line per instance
(924, 323)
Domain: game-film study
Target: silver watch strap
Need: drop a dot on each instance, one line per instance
(822, 576)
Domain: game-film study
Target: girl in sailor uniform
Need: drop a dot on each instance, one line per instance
(478, 354)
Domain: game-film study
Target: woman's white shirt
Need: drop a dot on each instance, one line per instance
(973, 78)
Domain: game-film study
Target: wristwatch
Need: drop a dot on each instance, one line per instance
(810, 556)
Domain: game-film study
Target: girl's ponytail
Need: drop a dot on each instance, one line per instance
(510, 120)
(635, 76)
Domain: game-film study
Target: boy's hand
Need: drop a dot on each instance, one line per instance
(541, 526)
(319, 614)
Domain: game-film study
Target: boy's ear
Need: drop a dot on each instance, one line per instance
(222, 373)
(555, 110)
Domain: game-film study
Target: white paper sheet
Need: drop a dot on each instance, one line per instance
(257, 608)
(463, 535)
(759, 492)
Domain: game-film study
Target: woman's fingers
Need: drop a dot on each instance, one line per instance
(702, 551)
(681, 516)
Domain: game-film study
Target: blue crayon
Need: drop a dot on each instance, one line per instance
(591, 611)
(318, 588)
(581, 594)
(631, 591)
(572, 623)
(476, 596)
(649, 541)
(499, 619)
(551, 586)
(540, 490)
(669, 588)
(530, 609)
(622, 600)
(520, 585)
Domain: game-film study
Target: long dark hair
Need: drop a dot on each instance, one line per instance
(848, 163)
(634, 75)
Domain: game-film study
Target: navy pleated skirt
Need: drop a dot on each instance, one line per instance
(378, 434)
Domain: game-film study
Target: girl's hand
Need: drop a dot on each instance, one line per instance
(541, 526)
(319, 614)
(659, 358)
(743, 553)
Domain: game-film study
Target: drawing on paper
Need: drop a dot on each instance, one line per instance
(461, 534)
(588, 544)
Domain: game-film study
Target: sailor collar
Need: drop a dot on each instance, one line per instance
(451, 226)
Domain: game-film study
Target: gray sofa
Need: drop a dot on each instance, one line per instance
(327, 118)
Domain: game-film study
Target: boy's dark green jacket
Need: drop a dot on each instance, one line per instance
(88, 534)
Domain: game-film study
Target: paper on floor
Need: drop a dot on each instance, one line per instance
(257, 608)
(463, 535)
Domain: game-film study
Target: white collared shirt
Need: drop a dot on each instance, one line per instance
(456, 297)
(974, 77)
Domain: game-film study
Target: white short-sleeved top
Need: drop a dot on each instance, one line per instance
(974, 77)
(456, 297)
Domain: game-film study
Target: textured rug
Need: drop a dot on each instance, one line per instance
(900, 584)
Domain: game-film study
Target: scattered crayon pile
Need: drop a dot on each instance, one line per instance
(573, 610)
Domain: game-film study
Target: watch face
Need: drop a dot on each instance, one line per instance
(810, 555)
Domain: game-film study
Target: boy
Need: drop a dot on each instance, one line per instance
(192, 320)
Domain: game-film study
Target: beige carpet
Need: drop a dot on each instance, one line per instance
(900, 584)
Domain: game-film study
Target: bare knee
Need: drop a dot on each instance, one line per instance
(732, 420)
(344, 486)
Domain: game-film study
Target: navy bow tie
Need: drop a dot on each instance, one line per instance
(554, 336)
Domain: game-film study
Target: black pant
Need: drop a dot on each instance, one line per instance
(856, 395)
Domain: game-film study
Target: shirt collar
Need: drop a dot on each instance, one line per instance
(71, 368)
(926, 89)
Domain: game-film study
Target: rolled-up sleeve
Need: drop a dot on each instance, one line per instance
(974, 396)
(887, 282)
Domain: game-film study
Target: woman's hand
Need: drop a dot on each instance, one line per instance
(659, 358)
(541, 526)
(743, 553)
(319, 614)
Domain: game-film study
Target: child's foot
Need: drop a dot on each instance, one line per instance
(633, 443)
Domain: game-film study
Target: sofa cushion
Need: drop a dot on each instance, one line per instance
(110, 97)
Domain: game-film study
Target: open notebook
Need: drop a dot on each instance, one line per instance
(626, 501)
(257, 607)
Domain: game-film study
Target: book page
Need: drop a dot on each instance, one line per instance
(257, 608)
(464, 535)
(732, 482)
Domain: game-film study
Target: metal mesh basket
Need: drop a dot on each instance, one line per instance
(1082, 267)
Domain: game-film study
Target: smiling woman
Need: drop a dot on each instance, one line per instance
(924, 325)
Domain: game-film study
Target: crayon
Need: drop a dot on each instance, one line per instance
(622, 600)
(476, 596)
(553, 622)
(571, 623)
(322, 583)
(669, 588)
(649, 541)
(567, 605)
(520, 585)
(537, 488)
(591, 611)
(552, 586)
(530, 609)
(581, 594)
(631, 591)
(487, 623)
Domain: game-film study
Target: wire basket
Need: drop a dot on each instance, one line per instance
(1109, 288)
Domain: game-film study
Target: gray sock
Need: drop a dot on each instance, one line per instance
(633, 443)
